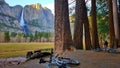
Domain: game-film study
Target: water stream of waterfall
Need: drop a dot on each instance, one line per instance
(22, 19)
(22, 23)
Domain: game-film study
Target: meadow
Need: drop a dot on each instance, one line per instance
(20, 49)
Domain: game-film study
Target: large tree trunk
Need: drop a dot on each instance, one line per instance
(67, 37)
(111, 25)
(116, 24)
(87, 34)
(119, 19)
(87, 29)
(119, 14)
(78, 26)
(63, 39)
(80, 19)
(95, 41)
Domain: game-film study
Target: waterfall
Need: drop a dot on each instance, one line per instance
(23, 25)
(22, 19)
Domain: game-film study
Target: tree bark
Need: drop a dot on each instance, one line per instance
(95, 41)
(87, 35)
(78, 26)
(111, 25)
(80, 19)
(87, 29)
(58, 26)
(63, 38)
(115, 17)
(67, 37)
(116, 24)
(119, 14)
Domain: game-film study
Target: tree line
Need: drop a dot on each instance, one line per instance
(22, 37)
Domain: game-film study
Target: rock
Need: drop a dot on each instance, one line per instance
(37, 51)
(38, 18)
(2, 0)
(5, 9)
(28, 55)
(17, 10)
(49, 18)
(35, 17)
(8, 20)
(38, 55)
(11, 61)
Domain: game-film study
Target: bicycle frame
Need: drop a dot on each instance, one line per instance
(61, 62)
(54, 61)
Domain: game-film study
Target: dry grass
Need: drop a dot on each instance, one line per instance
(20, 49)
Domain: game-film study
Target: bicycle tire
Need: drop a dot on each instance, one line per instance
(55, 66)
(70, 61)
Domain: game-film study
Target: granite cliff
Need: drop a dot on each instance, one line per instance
(38, 18)
(34, 18)
(8, 19)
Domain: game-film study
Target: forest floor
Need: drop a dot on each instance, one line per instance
(88, 59)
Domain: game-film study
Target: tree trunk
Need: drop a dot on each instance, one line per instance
(86, 27)
(67, 37)
(87, 35)
(78, 26)
(111, 25)
(80, 19)
(95, 41)
(116, 24)
(63, 38)
(119, 20)
(115, 16)
(119, 15)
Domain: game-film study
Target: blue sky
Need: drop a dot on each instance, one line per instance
(44, 3)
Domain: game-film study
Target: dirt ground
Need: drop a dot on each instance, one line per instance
(88, 59)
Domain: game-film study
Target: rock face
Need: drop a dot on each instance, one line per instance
(38, 18)
(34, 17)
(17, 10)
(8, 19)
(2, 0)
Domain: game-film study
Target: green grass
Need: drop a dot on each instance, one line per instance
(20, 49)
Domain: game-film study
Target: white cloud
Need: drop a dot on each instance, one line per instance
(50, 6)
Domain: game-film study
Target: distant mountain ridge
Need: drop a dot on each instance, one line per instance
(8, 19)
(38, 18)
(35, 18)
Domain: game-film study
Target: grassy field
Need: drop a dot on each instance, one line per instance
(20, 49)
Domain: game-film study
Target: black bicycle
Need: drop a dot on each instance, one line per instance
(59, 62)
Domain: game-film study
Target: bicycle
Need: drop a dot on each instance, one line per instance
(59, 62)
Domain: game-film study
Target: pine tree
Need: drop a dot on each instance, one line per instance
(7, 37)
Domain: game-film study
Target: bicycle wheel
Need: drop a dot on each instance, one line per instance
(70, 61)
(51, 66)
(55, 66)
